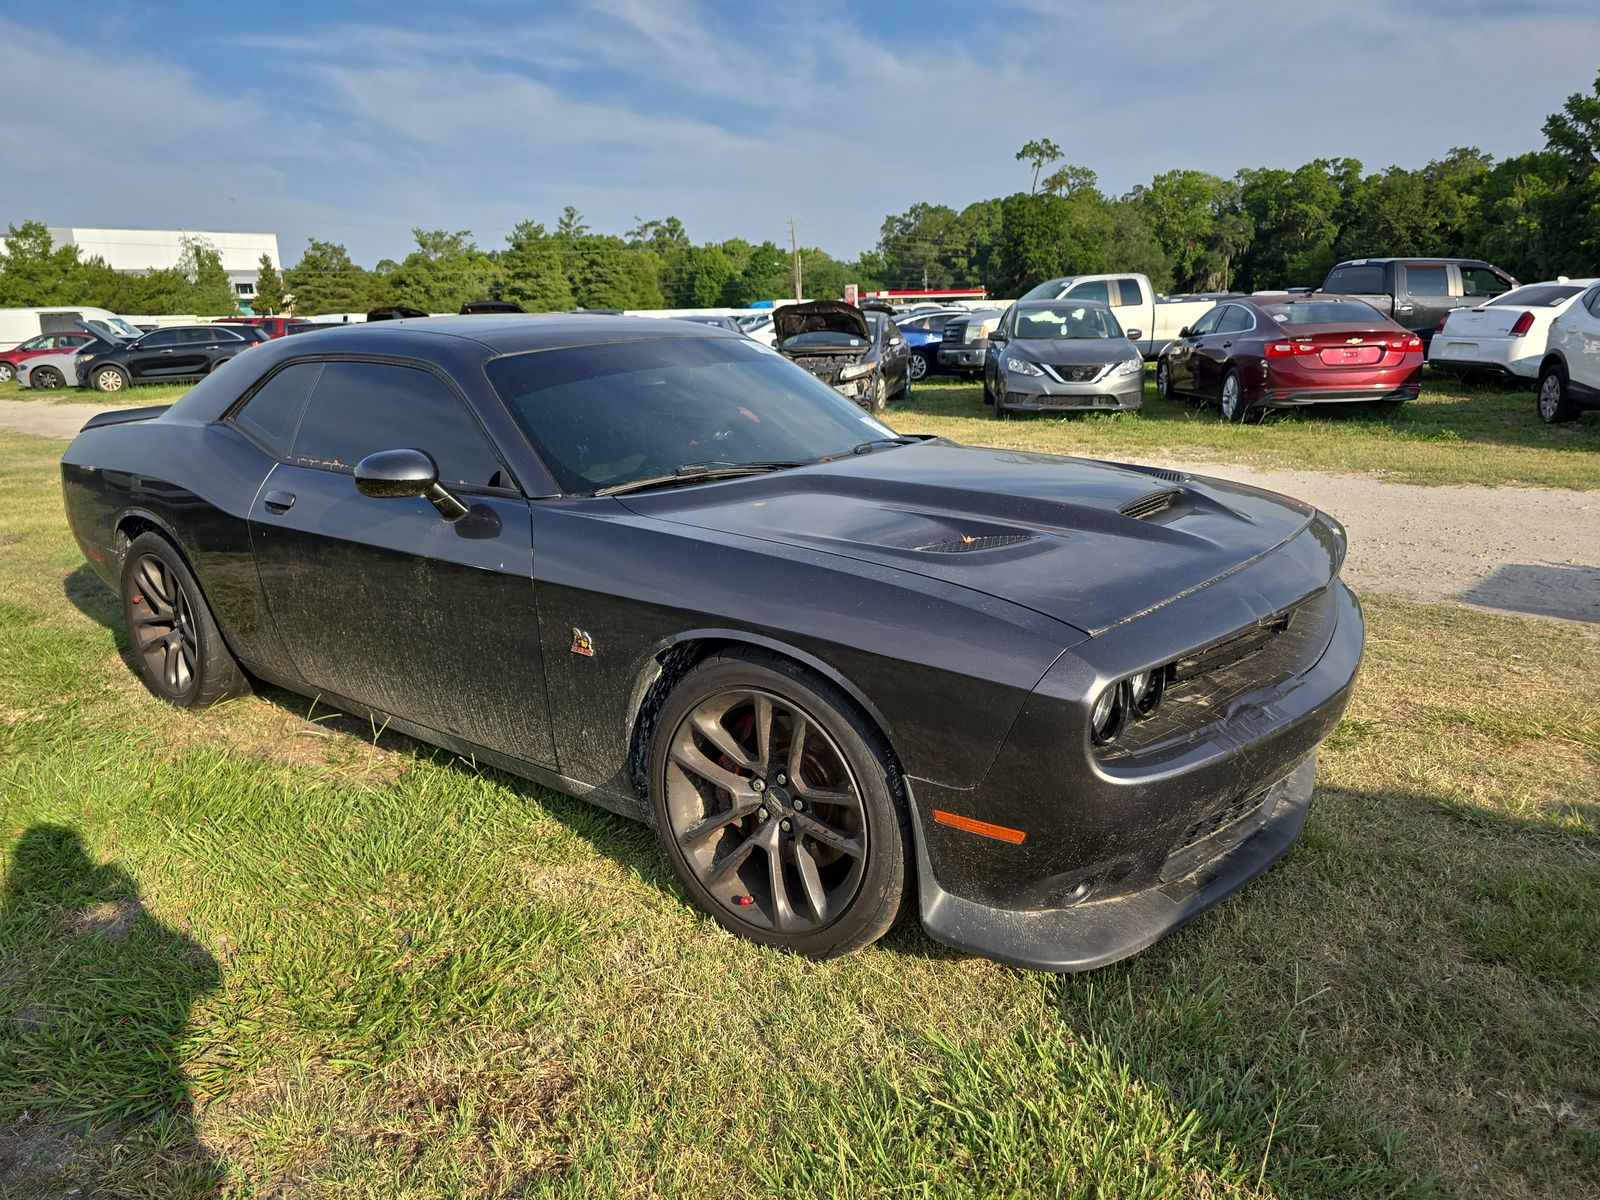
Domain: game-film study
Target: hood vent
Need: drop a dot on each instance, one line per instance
(1170, 476)
(1146, 507)
(966, 545)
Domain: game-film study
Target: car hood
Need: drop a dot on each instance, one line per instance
(1072, 352)
(1088, 543)
(820, 314)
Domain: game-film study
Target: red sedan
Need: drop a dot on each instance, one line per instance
(1255, 353)
(45, 343)
(273, 327)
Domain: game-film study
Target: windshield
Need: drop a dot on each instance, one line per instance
(115, 325)
(1066, 321)
(609, 414)
(1048, 290)
(1322, 312)
(1548, 295)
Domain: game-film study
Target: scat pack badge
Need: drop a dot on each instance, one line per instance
(581, 643)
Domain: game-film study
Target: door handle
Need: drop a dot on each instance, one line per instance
(1225, 345)
(278, 502)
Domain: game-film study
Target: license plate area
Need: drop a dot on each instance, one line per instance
(1351, 356)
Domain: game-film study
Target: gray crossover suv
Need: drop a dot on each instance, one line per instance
(1061, 356)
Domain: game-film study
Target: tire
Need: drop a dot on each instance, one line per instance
(1554, 397)
(46, 379)
(999, 411)
(1163, 379)
(880, 394)
(8, 372)
(919, 368)
(1230, 397)
(172, 636)
(767, 860)
(109, 379)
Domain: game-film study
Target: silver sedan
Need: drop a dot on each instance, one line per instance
(1062, 356)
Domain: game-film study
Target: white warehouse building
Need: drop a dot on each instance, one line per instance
(138, 250)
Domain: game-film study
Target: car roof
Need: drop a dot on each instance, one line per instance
(1043, 303)
(1414, 258)
(511, 333)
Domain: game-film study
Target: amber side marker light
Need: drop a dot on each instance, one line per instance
(982, 828)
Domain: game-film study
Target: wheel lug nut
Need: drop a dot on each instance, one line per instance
(782, 779)
(761, 814)
(799, 805)
(758, 785)
(784, 827)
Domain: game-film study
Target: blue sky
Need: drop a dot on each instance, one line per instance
(356, 121)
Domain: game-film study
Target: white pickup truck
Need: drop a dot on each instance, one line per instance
(1150, 320)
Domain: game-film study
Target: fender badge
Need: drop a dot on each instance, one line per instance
(581, 643)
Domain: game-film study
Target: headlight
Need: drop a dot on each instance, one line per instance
(83, 358)
(857, 371)
(1110, 712)
(1130, 366)
(1131, 699)
(1022, 366)
(1145, 689)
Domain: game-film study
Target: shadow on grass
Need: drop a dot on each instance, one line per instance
(97, 996)
(1543, 590)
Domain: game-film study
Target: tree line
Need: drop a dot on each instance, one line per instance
(1535, 214)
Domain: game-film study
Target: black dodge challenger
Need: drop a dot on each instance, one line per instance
(1064, 705)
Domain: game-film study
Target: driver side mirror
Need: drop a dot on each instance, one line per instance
(400, 474)
(1186, 332)
(1134, 335)
(997, 335)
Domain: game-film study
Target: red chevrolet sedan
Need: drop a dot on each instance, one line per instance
(1260, 352)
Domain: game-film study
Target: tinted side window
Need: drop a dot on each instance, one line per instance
(271, 414)
(358, 408)
(1355, 281)
(1428, 281)
(1480, 281)
(1208, 323)
(1094, 289)
(1130, 292)
(1234, 320)
(161, 337)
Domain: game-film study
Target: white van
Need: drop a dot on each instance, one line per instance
(17, 325)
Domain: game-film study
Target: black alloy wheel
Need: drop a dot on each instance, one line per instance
(778, 806)
(173, 638)
(46, 379)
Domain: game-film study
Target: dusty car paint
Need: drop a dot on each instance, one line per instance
(971, 602)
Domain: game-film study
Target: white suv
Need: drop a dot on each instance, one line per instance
(1569, 378)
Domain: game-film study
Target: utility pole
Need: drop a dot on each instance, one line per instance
(794, 247)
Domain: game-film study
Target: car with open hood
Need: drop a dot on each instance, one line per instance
(1062, 356)
(861, 355)
(1056, 707)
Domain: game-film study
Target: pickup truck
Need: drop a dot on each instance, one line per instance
(1418, 292)
(1151, 321)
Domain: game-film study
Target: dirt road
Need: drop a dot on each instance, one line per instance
(1525, 550)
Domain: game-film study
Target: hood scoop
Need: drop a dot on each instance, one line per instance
(1149, 506)
(966, 545)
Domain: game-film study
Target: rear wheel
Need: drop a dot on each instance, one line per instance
(779, 806)
(46, 379)
(109, 379)
(8, 372)
(1555, 399)
(172, 635)
(919, 368)
(1232, 397)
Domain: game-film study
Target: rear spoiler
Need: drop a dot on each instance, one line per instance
(122, 416)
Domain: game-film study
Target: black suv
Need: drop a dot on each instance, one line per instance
(176, 353)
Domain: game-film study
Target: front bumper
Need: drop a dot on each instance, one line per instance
(1300, 397)
(1029, 393)
(1096, 934)
(962, 358)
(1489, 356)
(1125, 843)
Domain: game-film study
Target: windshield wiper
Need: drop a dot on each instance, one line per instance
(696, 473)
(869, 446)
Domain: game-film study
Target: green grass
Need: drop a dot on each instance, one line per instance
(1453, 433)
(248, 953)
(145, 393)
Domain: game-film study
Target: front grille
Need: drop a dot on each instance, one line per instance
(966, 545)
(1216, 822)
(1202, 685)
(1146, 507)
(956, 331)
(1085, 373)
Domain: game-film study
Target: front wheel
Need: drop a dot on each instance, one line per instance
(880, 394)
(1555, 401)
(779, 807)
(1163, 380)
(109, 379)
(1232, 399)
(919, 368)
(46, 379)
(8, 372)
(172, 635)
